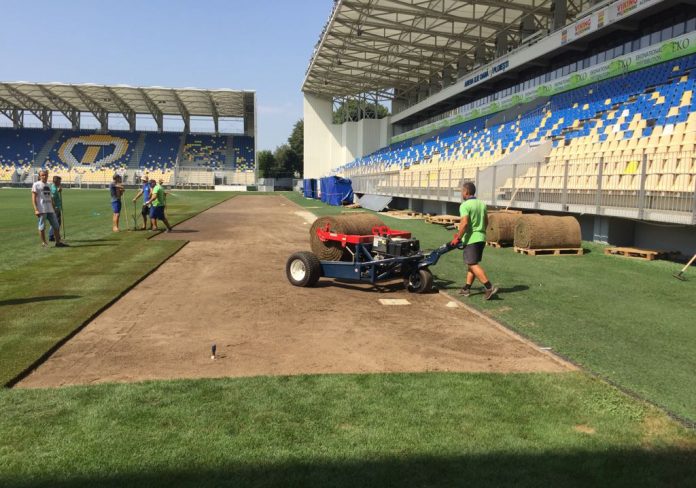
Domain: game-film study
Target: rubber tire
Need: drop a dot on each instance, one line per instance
(312, 267)
(420, 281)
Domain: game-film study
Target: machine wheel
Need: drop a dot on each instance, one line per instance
(303, 269)
(420, 281)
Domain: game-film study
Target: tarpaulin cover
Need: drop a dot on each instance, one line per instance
(336, 190)
(310, 188)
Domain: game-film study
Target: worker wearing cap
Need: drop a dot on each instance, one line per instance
(145, 192)
(472, 234)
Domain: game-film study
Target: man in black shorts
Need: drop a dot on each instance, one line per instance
(145, 192)
(472, 233)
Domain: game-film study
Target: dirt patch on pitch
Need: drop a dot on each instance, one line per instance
(228, 287)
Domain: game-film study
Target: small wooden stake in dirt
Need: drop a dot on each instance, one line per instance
(680, 275)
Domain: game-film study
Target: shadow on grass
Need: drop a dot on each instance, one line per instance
(90, 240)
(614, 468)
(444, 284)
(513, 289)
(94, 245)
(389, 287)
(22, 301)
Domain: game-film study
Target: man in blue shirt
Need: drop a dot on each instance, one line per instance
(116, 190)
(145, 192)
(57, 195)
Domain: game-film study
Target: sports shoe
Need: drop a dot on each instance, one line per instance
(489, 293)
(61, 244)
(465, 292)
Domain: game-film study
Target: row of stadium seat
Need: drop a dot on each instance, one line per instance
(160, 151)
(206, 150)
(120, 149)
(243, 152)
(21, 147)
(73, 148)
(649, 113)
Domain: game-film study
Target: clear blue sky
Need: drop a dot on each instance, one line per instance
(261, 45)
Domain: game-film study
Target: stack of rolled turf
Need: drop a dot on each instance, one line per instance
(356, 224)
(547, 232)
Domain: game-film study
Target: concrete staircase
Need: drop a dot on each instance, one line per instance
(229, 153)
(134, 162)
(46, 149)
(180, 155)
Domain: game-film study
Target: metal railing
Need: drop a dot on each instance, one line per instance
(657, 186)
(180, 177)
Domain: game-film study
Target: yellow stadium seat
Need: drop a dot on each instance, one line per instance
(666, 182)
(651, 182)
(627, 182)
(683, 183)
(611, 182)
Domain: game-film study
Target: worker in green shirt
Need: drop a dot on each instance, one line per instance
(472, 234)
(157, 199)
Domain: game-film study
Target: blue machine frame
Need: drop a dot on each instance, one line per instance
(365, 267)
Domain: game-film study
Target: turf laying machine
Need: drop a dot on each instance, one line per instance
(361, 248)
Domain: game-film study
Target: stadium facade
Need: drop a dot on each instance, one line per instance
(85, 133)
(551, 106)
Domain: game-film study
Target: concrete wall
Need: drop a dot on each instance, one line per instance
(594, 228)
(328, 146)
(349, 142)
(666, 237)
(320, 141)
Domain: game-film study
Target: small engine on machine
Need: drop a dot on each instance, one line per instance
(388, 246)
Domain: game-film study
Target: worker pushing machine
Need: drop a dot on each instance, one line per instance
(472, 234)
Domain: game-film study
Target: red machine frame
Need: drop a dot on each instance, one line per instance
(325, 235)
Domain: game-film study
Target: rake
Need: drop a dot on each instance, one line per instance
(134, 215)
(680, 275)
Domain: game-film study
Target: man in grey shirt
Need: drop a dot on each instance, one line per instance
(42, 201)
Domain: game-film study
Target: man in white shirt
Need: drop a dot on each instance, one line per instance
(43, 208)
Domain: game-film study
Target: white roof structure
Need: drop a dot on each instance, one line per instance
(373, 46)
(100, 100)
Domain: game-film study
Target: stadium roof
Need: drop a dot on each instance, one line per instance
(101, 100)
(371, 46)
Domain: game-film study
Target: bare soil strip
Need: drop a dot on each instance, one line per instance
(228, 287)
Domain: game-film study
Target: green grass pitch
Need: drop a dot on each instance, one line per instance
(46, 293)
(623, 319)
(630, 321)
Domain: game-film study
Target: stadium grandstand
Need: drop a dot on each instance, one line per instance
(585, 108)
(86, 133)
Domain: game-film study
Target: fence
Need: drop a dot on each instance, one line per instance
(658, 187)
(180, 177)
(198, 177)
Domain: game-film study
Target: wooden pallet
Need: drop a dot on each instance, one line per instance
(636, 253)
(497, 245)
(443, 219)
(406, 214)
(561, 251)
